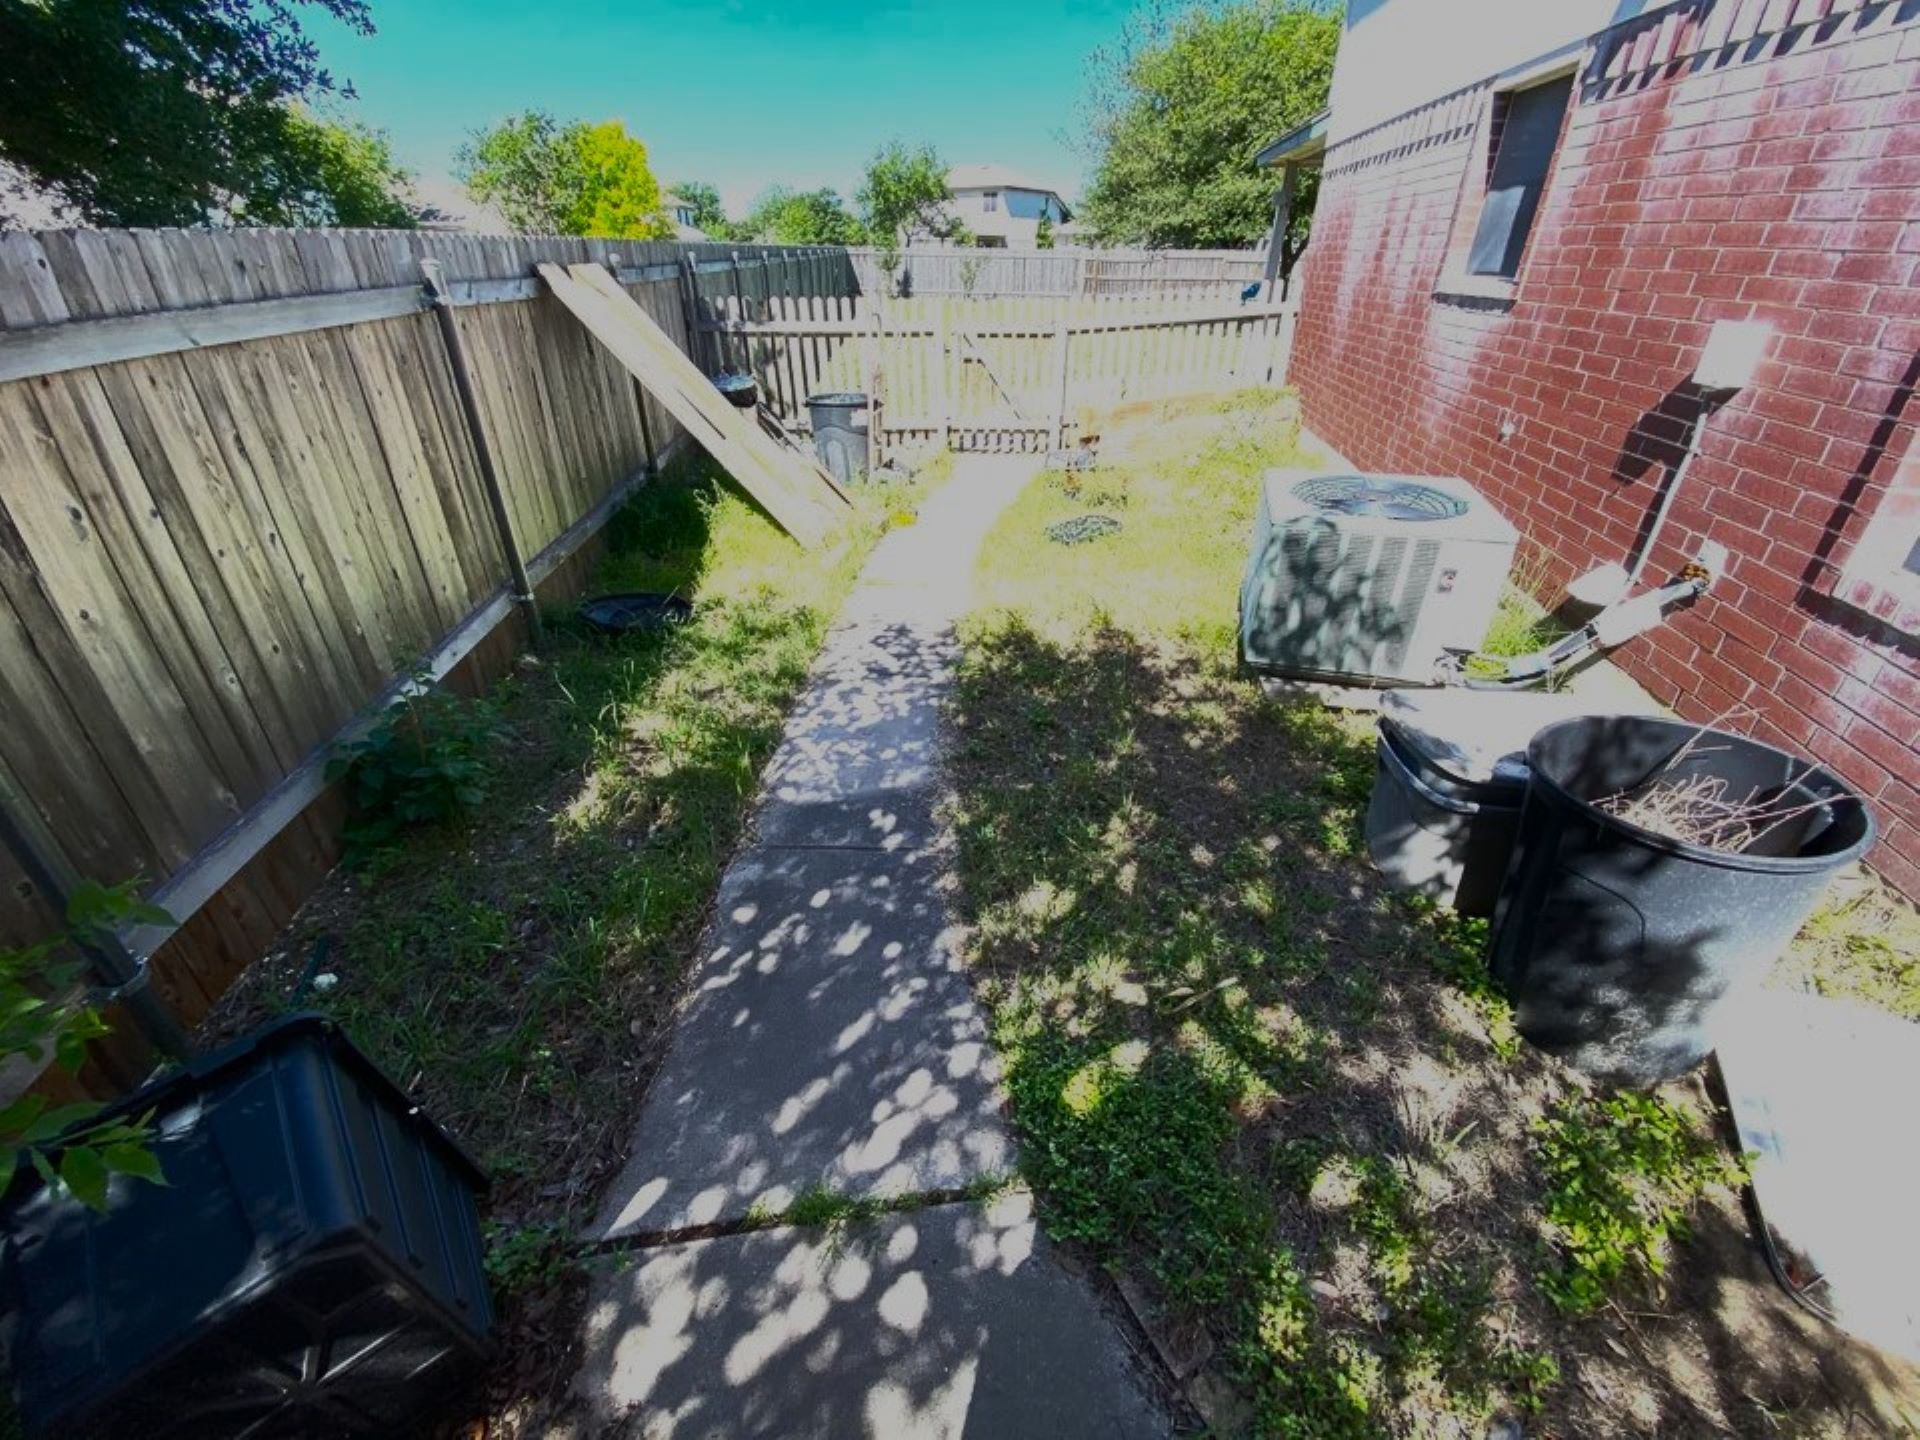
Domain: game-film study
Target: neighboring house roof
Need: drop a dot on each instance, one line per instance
(456, 210)
(1302, 143)
(995, 177)
(688, 233)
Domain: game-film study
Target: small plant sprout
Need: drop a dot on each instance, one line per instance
(423, 762)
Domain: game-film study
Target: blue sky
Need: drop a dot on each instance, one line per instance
(739, 94)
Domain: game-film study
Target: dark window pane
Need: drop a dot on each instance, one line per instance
(1527, 133)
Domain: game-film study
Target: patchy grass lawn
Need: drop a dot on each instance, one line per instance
(1284, 1106)
(515, 970)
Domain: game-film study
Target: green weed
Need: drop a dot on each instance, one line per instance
(1622, 1173)
(424, 762)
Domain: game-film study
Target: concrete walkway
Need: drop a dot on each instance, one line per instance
(832, 1043)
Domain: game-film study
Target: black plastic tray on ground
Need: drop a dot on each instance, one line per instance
(313, 1267)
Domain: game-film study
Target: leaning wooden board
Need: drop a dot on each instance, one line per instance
(794, 492)
(785, 459)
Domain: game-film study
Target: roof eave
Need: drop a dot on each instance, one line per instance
(1300, 144)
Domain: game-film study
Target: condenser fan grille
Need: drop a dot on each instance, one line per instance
(1369, 495)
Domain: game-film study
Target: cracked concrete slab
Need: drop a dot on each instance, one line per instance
(831, 1040)
(948, 1322)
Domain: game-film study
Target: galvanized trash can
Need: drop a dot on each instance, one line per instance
(840, 435)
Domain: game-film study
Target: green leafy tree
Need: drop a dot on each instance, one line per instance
(332, 173)
(904, 195)
(620, 196)
(571, 179)
(1180, 106)
(1043, 233)
(709, 215)
(160, 112)
(43, 1021)
(802, 217)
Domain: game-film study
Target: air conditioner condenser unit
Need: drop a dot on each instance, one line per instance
(1369, 579)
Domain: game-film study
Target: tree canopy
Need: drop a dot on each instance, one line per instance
(802, 217)
(177, 112)
(1179, 108)
(338, 172)
(905, 193)
(708, 213)
(571, 179)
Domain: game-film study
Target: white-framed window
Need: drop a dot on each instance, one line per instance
(1882, 574)
(990, 201)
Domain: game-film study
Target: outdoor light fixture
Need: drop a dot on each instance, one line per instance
(1733, 352)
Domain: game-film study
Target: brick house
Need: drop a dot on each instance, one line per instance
(1529, 216)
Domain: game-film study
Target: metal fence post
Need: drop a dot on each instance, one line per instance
(1061, 341)
(482, 452)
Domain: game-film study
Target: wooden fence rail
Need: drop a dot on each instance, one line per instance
(982, 274)
(1005, 374)
(240, 500)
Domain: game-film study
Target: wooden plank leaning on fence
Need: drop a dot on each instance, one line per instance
(795, 492)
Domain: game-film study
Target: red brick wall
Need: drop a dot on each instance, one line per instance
(1777, 181)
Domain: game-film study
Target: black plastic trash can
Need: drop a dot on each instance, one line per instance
(311, 1268)
(840, 434)
(1441, 834)
(1450, 778)
(1616, 944)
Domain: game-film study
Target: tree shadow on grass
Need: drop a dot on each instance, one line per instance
(516, 971)
(1289, 1104)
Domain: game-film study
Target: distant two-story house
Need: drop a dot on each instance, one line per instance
(1001, 207)
(1530, 217)
(681, 214)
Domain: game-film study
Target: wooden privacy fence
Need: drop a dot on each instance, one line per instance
(1198, 275)
(1003, 375)
(240, 498)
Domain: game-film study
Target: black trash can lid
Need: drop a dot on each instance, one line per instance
(1476, 737)
(844, 399)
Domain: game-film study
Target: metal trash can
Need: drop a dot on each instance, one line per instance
(840, 436)
(1451, 778)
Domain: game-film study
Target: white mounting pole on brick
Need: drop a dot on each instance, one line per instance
(1727, 363)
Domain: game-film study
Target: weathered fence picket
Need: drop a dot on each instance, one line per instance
(239, 499)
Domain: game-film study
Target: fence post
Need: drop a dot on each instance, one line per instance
(482, 452)
(125, 976)
(1061, 341)
(690, 307)
(943, 391)
(870, 366)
